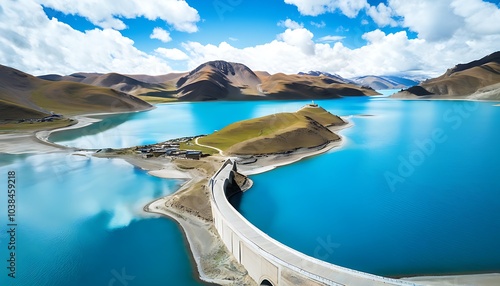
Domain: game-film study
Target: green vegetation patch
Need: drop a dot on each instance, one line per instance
(37, 126)
(190, 145)
(277, 133)
(157, 99)
(250, 129)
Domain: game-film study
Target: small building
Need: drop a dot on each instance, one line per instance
(158, 153)
(196, 155)
(178, 153)
(170, 151)
(312, 104)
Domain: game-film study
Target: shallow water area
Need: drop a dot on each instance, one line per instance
(79, 221)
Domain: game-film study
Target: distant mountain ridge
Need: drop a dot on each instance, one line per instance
(234, 81)
(221, 80)
(479, 79)
(132, 84)
(337, 77)
(372, 81)
(384, 82)
(282, 86)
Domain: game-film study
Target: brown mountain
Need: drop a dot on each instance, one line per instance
(475, 80)
(282, 86)
(218, 80)
(233, 81)
(23, 96)
(138, 85)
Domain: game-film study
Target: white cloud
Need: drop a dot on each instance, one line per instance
(107, 13)
(290, 24)
(480, 17)
(330, 38)
(299, 37)
(449, 32)
(382, 15)
(350, 8)
(172, 54)
(321, 24)
(42, 45)
(444, 19)
(374, 36)
(160, 34)
(392, 53)
(432, 20)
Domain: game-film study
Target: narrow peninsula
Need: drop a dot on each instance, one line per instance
(257, 145)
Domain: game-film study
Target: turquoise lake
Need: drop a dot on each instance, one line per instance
(413, 190)
(80, 222)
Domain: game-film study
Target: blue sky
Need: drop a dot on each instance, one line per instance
(243, 23)
(348, 37)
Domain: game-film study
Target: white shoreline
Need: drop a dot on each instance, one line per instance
(190, 229)
(272, 162)
(83, 120)
(423, 98)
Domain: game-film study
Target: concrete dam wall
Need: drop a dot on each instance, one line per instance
(268, 261)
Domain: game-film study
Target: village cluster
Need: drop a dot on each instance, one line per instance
(170, 148)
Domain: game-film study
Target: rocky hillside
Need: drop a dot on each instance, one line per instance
(218, 80)
(282, 86)
(23, 96)
(133, 84)
(478, 79)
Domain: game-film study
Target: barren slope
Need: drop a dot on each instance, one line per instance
(218, 80)
(464, 80)
(279, 86)
(33, 98)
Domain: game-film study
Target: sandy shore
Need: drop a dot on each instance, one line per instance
(190, 208)
(265, 163)
(82, 121)
(36, 141)
(213, 263)
(26, 142)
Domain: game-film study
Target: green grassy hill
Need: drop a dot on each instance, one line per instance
(277, 133)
